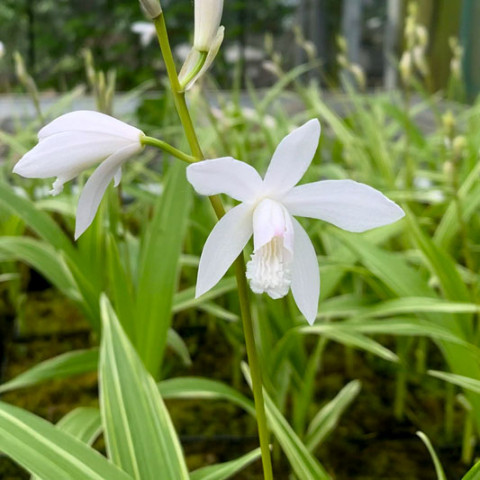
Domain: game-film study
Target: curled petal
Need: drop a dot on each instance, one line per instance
(90, 121)
(225, 175)
(96, 185)
(292, 158)
(225, 243)
(350, 205)
(305, 275)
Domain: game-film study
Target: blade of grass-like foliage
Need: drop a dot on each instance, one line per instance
(191, 387)
(467, 383)
(139, 433)
(176, 343)
(186, 298)
(43, 258)
(84, 423)
(37, 220)
(225, 470)
(159, 268)
(473, 473)
(469, 195)
(120, 287)
(404, 281)
(62, 366)
(439, 262)
(398, 306)
(303, 463)
(49, 453)
(438, 466)
(327, 418)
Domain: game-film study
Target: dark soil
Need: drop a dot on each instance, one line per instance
(368, 444)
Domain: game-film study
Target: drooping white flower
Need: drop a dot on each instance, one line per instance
(75, 142)
(207, 39)
(283, 255)
(146, 31)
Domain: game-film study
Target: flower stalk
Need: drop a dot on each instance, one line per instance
(240, 271)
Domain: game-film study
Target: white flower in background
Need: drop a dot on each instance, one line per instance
(207, 39)
(2, 49)
(75, 142)
(151, 7)
(146, 31)
(283, 255)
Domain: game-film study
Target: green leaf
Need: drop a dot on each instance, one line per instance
(84, 423)
(467, 383)
(225, 470)
(44, 259)
(303, 463)
(38, 221)
(473, 473)
(327, 418)
(139, 433)
(438, 466)
(192, 387)
(159, 268)
(49, 453)
(62, 366)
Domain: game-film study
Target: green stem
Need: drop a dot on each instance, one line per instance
(166, 147)
(254, 364)
(184, 114)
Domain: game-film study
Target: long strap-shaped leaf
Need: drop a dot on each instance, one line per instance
(49, 453)
(139, 434)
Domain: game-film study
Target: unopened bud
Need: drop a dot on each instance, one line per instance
(151, 7)
(359, 75)
(20, 67)
(448, 121)
(458, 146)
(2, 49)
(208, 15)
(422, 35)
(405, 67)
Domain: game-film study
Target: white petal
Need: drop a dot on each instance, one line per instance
(305, 274)
(353, 206)
(90, 121)
(225, 175)
(292, 158)
(96, 185)
(208, 15)
(117, 177)
(224, 244)
(271, 219)
(67, 154)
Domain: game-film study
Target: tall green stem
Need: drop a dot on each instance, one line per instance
(184, 114)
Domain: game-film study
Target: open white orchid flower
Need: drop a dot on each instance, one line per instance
(75, 142)
(283, 255)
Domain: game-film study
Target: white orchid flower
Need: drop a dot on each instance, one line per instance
(75, 142)
(283, 255)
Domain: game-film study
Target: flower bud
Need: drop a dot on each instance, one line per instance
(151, 7)
(2, 50)
(405, 67)
(208, 14)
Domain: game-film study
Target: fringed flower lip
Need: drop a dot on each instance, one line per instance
(283, 256)
(75, 142)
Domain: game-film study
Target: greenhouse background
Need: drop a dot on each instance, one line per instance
(126, 351)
